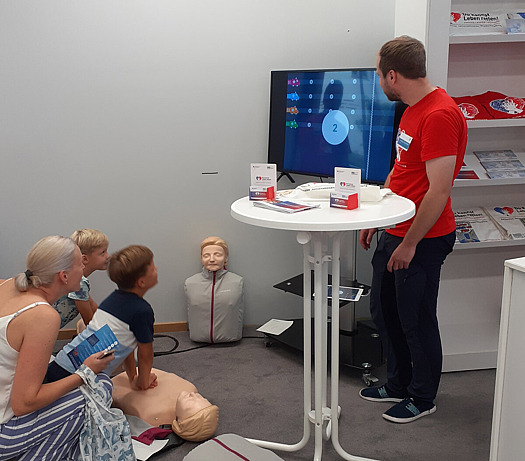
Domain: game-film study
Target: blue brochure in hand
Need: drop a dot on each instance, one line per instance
(101, 340)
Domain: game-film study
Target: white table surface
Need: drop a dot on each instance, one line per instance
(389, 211)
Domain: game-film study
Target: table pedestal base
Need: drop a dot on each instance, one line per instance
(323, 418)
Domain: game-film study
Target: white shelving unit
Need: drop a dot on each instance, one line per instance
(472, 278)
(454, 40)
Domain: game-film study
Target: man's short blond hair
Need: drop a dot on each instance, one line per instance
(89, 240)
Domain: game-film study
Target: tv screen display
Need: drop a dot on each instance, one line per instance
(321, 119)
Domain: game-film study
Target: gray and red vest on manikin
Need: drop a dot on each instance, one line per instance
(215, 306)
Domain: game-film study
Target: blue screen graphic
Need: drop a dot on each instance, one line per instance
(338, 118)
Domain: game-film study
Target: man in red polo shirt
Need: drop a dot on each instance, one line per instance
(430, 145)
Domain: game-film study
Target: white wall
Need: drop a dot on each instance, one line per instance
(111, 111)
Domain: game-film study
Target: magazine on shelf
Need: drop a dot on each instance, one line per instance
(477, 23)
(506, 174)
(285, 206)
(515, 26)
(467, 174)
(488, 155)
(101, 340)
(502, 165)
(509, 219)
(474, 225)
(465, 233)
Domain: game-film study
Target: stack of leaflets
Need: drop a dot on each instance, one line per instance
(509, 219)
(285, 206)
(474, 225)
(500, 164)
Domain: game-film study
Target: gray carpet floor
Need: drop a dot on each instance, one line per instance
(259, 391)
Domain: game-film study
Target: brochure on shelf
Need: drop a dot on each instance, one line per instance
(506, 174)
(515, 26)
(263, 181)
(509, 219)
(284, 206)
(474, 225)
(465, 233)
(515, 23)
(502, 165)
(467, 173)
(495, 155)
(477, 23)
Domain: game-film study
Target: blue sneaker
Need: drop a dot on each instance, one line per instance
(380, 394)
(407, 411)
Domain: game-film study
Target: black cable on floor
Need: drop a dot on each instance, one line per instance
(172, 350)
(176, 345)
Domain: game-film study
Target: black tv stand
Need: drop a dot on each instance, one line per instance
(288, 175)
(359, 347)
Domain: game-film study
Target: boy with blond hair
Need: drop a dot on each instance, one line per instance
(129, 316)
(93, 245)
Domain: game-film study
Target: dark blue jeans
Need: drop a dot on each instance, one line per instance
(403, 305)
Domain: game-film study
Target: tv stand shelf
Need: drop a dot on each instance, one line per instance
(362, 346)
(358, 346)
(295, 285)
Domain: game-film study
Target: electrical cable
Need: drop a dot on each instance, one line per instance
(176, 345)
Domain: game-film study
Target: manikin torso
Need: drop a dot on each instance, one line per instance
(174, 397)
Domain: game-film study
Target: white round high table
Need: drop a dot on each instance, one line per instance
(319, 230)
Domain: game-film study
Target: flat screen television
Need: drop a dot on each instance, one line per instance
(320, 119)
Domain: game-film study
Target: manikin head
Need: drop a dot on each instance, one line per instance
(196, 418)
(214, 253)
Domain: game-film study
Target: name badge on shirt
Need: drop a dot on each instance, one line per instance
(404, 141)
